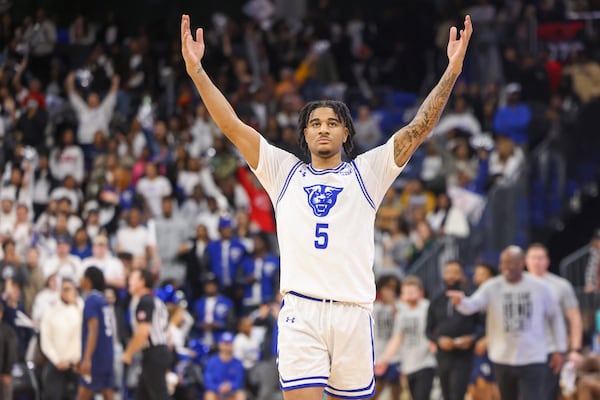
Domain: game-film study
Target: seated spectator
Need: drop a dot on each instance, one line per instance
(213, 312)
(34, 282)
(432, 169)
(225, 257)
(397, 248)
(367, 131)
(514, 118)
(63, 263)
(592, 270)
(261, 273)
(81, 244)
(171, 234)
(448, 220)
(67, 158)
(68, 190)
(153, 187)
(224, 374)
(422, 240)
(460, 116)
(462, 162)
(246, 348)
(261, 209)
(111, 267)
(8, 215)
(415, 196)
(506, 161)
(134, 238)
(23, 230)
(8, 355)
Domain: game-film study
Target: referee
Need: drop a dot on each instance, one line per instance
(150, 334)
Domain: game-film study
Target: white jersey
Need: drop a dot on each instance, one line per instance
(325, 221)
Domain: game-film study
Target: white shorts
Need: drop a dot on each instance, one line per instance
(325, 344)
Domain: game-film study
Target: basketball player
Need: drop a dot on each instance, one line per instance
(325, 212)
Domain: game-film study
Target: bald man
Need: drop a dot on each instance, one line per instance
(518, 306)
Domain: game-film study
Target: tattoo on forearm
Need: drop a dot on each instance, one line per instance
(199, 68)
(429, 113)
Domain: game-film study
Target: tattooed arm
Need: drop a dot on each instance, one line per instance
(244, 137)
(407, 139)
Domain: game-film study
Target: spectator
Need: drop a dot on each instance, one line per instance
(60, 338)
(385, 310)
(23, 231)
(418, 362)
(246, 348)
(35, 281)
(506, 161)
(112, 268)
(422, 241)
(224, 374)
(397, 248)
(261, 272)
(45, 300)
(8, 356)
(225, 256)
(40, 38)
(171, 232)
(448, 220)
(203, 131)
(197, 263)
(31, 122)
(134, 238)
(72, 192)
(517, 307)
(67, 158)
(42, 184)
(368, 133)
(592, 270)
(63, 263)
(81, 244)
(92, 114)
(213, 312)
(454, 334)
(460, 116)
(261, 210)
(514, 118)
(415, 196)
(153, 187)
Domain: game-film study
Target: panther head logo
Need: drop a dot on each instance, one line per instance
(322, 198)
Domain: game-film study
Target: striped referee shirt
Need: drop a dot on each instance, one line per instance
(152, 310)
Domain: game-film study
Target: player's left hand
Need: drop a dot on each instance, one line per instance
(457, 45)
(556, 362)
(126, 359)
(84, 367)
(380, 368)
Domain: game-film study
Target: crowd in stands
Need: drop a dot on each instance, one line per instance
(109, 158)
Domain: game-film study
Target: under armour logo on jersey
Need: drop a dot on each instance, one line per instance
(291, 320)
(322, 198)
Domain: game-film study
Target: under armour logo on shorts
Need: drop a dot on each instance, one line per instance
(290, 319)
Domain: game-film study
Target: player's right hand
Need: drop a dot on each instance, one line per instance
(191, 50)
(455, 296)
(380, 368)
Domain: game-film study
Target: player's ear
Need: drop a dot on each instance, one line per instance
(346, 133)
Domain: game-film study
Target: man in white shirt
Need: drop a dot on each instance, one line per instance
(92, 115)
(63, 264)
(134, 238)
(153, 188)
(111, 267)
(518, 307)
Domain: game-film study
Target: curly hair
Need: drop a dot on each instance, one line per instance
(339, 108)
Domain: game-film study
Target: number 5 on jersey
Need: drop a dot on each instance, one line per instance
(321, 237)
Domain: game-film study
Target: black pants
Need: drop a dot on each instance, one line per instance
(522, 382)
(420, 383)
(454, 370)
(58, 384)
(152, 383)
(551, 383)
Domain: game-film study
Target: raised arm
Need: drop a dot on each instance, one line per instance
(245, 138)
(407, 139)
